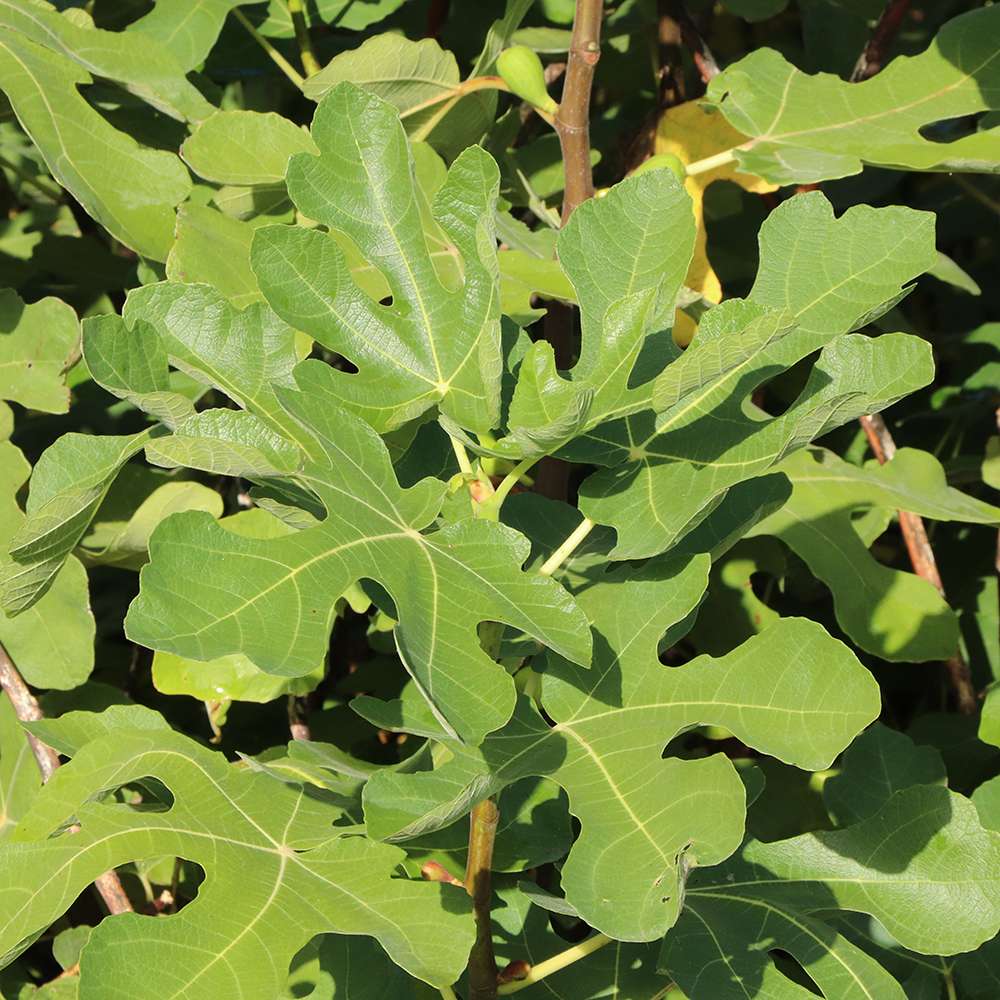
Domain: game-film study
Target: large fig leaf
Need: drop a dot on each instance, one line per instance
(442, 583)
(812, 128)
(922, 865)
(432, 344)
(238, 937)
(626, 255)
(671, 471)
(793, 692)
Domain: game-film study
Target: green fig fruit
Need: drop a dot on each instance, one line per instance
(661, 160)
(521, 70)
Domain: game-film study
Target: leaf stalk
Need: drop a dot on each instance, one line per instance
(567, 548)
(310, 64)
(273, 54)
(556, 963)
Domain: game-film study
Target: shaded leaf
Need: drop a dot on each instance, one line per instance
(879, 763)
(37, 343)
(916, 865)
(894, 614)
(119, 534)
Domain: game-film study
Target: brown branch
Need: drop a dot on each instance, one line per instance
(922, 559)
(482, 969)
(872, 59)
(572, 125)
(437, 14)
(880, 439)
(27, 709)
(298, 722)
(572, 121)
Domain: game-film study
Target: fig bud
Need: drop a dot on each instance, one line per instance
(521, 70)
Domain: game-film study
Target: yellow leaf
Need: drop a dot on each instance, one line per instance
(694, 132)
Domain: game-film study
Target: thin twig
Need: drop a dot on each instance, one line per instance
(437, 14)
(976, 192)
(572, 121)
(298, 724)
(704, 61)
(482, 968)
(275, 56)
(922, 559)
(310, 64)
(872, 58)
(880, 438)
(27, 709)
(572, 125)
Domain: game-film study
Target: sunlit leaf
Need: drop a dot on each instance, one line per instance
(37, 343)
(812, 128)
(306, 878)
(127, 188)
(432, 345)
(793, 692)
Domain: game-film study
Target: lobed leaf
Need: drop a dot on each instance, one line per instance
(792, 692)
(670, 472)
(442, 584)
(804, 128)
(238, 938)
(888, 612)
(433, 344)
(922, 865)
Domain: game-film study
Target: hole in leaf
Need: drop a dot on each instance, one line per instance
(949, 129)
(118, 16)
(791, 969)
